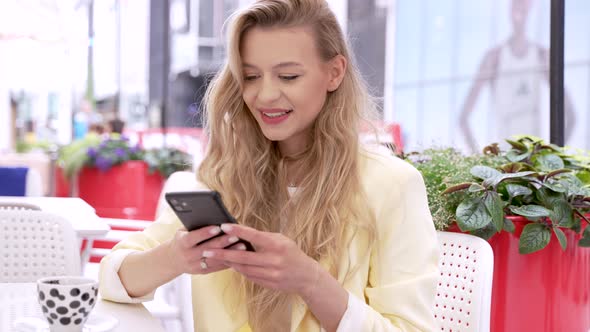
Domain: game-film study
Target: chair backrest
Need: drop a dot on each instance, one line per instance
(16, 206)
(464, 291)
(35, 244)
(177, 181)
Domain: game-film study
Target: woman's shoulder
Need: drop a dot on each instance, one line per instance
(382, 165)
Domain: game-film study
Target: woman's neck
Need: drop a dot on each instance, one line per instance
(295, 146)
(294, 172)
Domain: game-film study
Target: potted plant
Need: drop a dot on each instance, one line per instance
(118, 179)
(531, 203)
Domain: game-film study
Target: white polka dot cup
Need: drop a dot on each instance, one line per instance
(66, 301)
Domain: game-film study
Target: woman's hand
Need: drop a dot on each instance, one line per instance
(187, 256)
(277, 263)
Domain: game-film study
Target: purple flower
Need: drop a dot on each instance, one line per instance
(120, 152)
(134, 149)
(124, 138)
(103, 163)
(91, 152)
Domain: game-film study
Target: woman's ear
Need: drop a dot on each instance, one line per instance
(336, 71)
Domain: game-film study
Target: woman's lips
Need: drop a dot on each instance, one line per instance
(274, 115)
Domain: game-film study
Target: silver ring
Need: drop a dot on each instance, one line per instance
(204, 265)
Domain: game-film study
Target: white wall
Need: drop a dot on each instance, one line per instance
(340, 9)
(4, 117)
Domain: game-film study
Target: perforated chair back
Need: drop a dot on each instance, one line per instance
(464, 291)
(18, 206)
(35, 244)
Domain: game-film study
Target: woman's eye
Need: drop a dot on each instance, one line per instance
(289, 77)
(250, 77)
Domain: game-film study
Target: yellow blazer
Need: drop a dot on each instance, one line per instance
(398, 281)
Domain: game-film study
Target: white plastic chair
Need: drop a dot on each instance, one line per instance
(464, 291)
(173, 303)
(35, 244)
(18, 206)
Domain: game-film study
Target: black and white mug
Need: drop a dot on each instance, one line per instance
(66, 301)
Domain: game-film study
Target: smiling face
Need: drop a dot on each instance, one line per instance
(286, 83)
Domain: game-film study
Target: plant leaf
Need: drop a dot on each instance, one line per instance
(560, 237)
(472, 214)
(549, 162)
(556, 186)
(530, 211)
(584, 176)
(461, 186)
(517, 145)
(493, 204)
(496, 180)
(484, 172)
(557, 172)
(508, 225)
(511, 167)
(585, 240)
(515, 190)
(514, 156)
(485, 233)
(562, 214)
(475, 188)
(534, 237)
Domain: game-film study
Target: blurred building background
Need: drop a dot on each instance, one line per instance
(66, 65)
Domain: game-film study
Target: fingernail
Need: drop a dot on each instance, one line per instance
(233, 239)
(215, 231)
(207, 253)
(241, 247)
(226, 228)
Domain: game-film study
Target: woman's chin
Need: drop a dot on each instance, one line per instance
(275, 135)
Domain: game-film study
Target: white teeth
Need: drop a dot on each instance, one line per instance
(275, 115)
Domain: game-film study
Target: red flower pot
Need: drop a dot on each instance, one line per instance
(62, 185)
(546, 291)
(125, 191)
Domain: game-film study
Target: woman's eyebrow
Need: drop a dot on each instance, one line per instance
(279, 65)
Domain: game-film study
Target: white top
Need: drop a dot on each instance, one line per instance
(516, 95)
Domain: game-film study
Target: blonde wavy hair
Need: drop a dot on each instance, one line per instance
(249, 171)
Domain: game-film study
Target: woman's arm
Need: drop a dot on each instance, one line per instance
(143, 271)
(325, 297)
(149, 259)
(404, 263)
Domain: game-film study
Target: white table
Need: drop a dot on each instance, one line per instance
(80, 214)
(20, 300)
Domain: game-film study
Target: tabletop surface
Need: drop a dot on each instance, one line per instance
(80, 214)
(20, 300)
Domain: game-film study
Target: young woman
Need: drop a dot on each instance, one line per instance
(343, 236)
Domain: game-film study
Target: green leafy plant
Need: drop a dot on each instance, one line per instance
(24, 146)
(441, 168)
(74, 156)
(541, 182)
(167, 160)
(106, 152)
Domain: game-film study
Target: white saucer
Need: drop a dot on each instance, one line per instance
(95, 323)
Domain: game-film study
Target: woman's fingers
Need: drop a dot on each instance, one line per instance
(242, 257)
(190, 239)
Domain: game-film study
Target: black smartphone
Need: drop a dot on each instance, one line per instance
(198, 209)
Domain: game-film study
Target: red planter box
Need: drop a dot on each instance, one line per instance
(62, 185)
(125, 191)
(546, 291)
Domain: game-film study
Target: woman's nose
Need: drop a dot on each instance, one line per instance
(268, 91)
